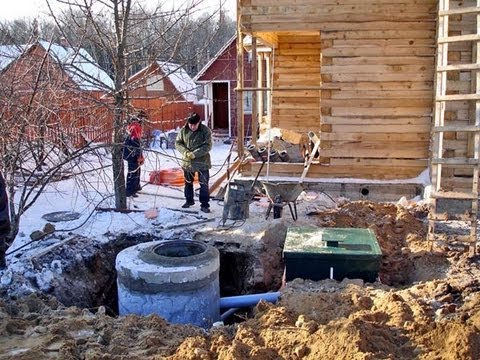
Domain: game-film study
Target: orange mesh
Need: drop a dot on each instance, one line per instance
(173, 177)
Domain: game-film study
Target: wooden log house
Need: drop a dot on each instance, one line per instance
(391, 87)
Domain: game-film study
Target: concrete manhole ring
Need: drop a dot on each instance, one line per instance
(59, 216)
(178, 280)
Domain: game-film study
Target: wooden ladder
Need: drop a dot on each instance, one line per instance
(450, 203)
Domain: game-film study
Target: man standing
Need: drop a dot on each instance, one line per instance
(194, 142)
(4, 221)
(132, 153)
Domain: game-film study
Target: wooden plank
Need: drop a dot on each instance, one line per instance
(297, 94)
(456, 161)
(283, 46)
(373, 69)
(231, 170)
(296, 38)
(397, 94)
(387, 85)
(339, 25)
(406, 122)
(286, 73)
(454, 128)
(380, 34)
(384, 60)
(259, 3)
(350, 170)
(286, 19)
(377, 132)
(379, 103)
(417, 163)
(410, 150)
(399, 136)
(457, 97)
(450, 39)
(377, 51)
(343, 25)
(411, 43)
(297, 105)
(463, 10)
(300, 51)
(380, 77)
(379, 112)
(458, 67)
(246, 3)
(305, 113)
(302, 11)
(292, 64)
(454, 195)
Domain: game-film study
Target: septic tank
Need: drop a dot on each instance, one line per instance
(331, 253)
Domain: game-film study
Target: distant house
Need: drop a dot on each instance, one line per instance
(59, 88)
(219, 79)
(166, 93)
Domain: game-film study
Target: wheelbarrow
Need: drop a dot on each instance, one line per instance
(281, 194)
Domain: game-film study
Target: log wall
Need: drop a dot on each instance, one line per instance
(375, 61)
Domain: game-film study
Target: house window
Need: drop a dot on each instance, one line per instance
(247, 102)
(155, 83)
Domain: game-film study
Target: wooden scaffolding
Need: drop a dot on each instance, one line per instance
(456, 202)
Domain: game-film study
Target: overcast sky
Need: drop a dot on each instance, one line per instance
(14, 9)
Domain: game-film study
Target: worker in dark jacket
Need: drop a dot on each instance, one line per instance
(4, 221)
(194, 142)
(132, 153)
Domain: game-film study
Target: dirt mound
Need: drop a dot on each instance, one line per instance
(435, 314)
(394, 228)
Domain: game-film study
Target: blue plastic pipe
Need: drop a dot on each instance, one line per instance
(247, 300)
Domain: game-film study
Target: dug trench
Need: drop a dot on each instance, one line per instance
(83, 274)
(425, 305)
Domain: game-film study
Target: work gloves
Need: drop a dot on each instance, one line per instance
(189, 155)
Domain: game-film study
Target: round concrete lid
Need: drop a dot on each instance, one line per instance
(143, 262)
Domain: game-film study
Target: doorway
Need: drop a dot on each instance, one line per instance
(220, 105)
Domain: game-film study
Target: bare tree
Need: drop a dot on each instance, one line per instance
(46, 116)
(43, 114)
(132, 37)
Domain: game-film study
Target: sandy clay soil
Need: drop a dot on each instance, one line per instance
(425, 306)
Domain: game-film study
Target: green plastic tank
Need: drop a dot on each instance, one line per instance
(331, 253)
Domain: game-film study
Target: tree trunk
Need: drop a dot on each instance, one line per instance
(117, 158)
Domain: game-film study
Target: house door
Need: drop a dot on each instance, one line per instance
(220, 105)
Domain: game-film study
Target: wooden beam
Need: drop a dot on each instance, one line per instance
(240, 85)
(255, 94)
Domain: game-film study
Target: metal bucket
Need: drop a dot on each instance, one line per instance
(237, 201)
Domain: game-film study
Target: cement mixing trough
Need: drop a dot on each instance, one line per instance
(178, 280)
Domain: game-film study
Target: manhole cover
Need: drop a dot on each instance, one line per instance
(59, 216)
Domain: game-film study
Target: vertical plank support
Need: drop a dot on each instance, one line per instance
(254, 93)
(240, 86)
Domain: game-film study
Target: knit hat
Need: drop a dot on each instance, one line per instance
(193, 118)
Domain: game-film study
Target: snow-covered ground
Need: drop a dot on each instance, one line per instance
(156, 211)
(82, 197)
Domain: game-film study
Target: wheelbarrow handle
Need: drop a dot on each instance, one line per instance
(256, 177)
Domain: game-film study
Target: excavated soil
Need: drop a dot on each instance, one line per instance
(425, 306)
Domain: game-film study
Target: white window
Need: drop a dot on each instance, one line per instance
(155, 83)
(247, 102)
